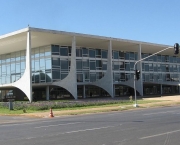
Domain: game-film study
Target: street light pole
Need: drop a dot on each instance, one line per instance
(136, 105)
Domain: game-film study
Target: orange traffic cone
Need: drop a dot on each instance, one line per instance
(51, 113)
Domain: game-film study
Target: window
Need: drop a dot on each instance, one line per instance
(104, 65)
(115, 55)
(79, 77)
(127, 66)
(98, 53)
(122, 67)
(104, 54)
(131, 56)
(86, 75)
(92, 53)
(150, 67)
(127, 55)
(116, 77)
(170, 59)
(48, 63)
(56, 62)
(85, 52)
(78, 64)
(85, 64)
(163, 58)
(121, 54)
(128, 76)
(115, 65)
(64, 64)
(78, 52)
(92, 77)
(159, 58)
(155, 67)
(47, 51)
(132, 66)
(122, 77)
(146, 67)
(48, 76)
(98, 64)
(92, 65)
(63, 51)
(55, 49)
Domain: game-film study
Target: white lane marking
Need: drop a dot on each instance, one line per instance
(57, 125)
(88, 129)
(35, 122)
(160, 134)
(76, 131)
(159, 113)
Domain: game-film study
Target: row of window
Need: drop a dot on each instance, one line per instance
(52, 63)
(147, 77)
(83, 52)
(161, 58)
(160, 67)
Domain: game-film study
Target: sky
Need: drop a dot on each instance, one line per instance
(155, 21)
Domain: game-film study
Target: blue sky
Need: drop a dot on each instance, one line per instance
(155, 21)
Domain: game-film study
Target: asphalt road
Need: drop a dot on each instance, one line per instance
(138, 127)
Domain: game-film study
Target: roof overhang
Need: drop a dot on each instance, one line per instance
(17, 40)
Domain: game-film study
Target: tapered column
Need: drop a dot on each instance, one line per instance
(70, 82)
(106, 82)
(25, 82)
(28, 63)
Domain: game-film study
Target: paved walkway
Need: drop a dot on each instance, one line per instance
(169, 98)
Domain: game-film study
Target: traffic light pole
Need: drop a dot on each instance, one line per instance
(136, 105)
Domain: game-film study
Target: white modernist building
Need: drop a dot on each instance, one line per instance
(39, 64)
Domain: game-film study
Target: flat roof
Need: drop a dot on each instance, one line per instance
(17, 40)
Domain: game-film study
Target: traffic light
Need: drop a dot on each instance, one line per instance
(176, 48)
(137, 73)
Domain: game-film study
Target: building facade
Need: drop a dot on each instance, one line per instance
(39, 64)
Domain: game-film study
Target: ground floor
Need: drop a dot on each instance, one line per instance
(84, 91)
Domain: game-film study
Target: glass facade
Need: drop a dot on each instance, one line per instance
(12, 67)
(162, 68)
(52, 63)
(123, 65)
(41, 65)
(91, 64)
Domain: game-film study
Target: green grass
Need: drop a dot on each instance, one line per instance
(6, 111)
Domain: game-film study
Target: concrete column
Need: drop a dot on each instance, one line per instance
(25, 82)
(28, 63)
(161, 90)
(70, 82)
(84, 91)
(106, 82)
(47, 92)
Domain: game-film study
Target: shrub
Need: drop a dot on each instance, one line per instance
(45, 105)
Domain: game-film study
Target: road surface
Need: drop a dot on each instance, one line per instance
(153, 126)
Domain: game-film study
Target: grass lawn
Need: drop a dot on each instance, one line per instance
(80, 110)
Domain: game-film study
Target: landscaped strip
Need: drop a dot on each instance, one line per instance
(68, 107)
